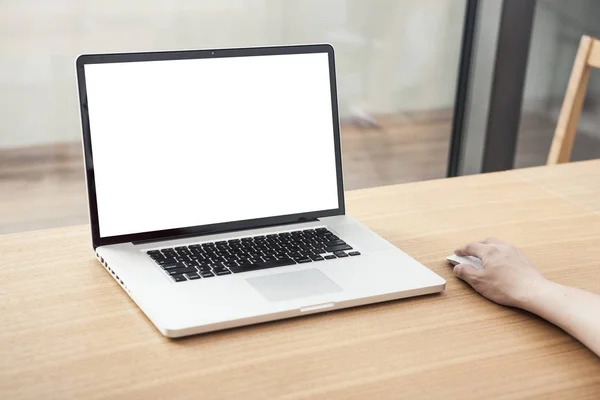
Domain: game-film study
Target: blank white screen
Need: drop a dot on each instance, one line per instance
(193, 142)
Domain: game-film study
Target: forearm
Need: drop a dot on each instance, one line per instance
(574, 310)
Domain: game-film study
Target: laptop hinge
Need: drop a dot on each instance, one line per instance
(211, 232)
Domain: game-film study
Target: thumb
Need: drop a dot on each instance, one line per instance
(467, 273)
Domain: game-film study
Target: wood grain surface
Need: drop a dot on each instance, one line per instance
(69, 331)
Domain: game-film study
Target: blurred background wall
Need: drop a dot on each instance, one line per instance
(391, 55)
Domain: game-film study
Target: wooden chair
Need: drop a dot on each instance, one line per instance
(588, 56)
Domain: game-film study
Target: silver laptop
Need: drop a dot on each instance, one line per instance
(215, 188)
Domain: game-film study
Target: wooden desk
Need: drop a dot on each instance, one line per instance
(69, 331)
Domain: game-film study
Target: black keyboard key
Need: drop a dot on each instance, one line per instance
(341, 247)
(262, 265)
(206, 274)
(334, 243)
(317, 258)
(194, 264)
(167, 261)
(182, 271)
(170, 267)
(229, 264)
(222, 272)
(303, 260)
(354, 253)
(330, 257)
(340, 254)
(192, 277)
(178, 278)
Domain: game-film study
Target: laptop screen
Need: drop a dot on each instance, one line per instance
(182, 143)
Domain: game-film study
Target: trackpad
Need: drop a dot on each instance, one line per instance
(293, 285)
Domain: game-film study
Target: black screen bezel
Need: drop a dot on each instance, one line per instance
(198, 54)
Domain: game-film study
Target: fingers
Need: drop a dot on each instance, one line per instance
(467, 273)
(476, 249)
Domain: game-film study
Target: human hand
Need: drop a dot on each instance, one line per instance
(508, 278)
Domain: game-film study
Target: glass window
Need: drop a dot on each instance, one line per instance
(397, 64)
(557, 29)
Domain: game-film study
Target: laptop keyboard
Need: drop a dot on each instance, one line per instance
(207, 260)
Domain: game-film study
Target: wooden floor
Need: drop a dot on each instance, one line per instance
(44, 187)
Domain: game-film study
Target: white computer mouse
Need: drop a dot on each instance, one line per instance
(474, 261)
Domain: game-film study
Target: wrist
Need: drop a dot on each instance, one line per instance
(534, 293)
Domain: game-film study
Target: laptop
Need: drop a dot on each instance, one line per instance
(215, 188)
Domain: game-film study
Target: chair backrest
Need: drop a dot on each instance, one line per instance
(588, 56)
